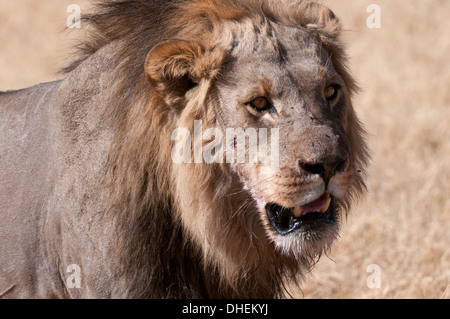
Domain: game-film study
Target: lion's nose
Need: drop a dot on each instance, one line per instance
(326, 170)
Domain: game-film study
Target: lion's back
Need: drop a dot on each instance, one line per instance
(26, 153)
(54, 142)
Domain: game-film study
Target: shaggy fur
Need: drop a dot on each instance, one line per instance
(156, 229)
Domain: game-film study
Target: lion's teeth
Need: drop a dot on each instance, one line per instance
(297, 211)
(326, 205)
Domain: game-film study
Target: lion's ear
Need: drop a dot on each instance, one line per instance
(317, 17)
(173, 67)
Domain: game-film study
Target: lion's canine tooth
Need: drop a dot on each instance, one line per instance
(326, 205)
(297, 211)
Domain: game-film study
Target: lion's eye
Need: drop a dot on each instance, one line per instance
(260, 103)
(331, 92)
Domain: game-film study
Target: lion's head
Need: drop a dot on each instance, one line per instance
(265, 69)
(218, 66)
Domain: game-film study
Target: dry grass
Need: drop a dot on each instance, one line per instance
(34, 43)
(403, 225)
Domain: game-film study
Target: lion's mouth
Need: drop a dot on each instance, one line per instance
(286, 220)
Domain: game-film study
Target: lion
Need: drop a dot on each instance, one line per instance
(92, 202)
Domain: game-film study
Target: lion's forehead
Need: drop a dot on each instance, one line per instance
(275, 50)
(275, 40)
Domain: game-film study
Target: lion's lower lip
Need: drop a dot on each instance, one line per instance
(286, 220)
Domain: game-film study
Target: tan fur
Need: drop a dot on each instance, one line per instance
(167, 230)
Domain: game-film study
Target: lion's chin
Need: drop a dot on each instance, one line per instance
(304, 230)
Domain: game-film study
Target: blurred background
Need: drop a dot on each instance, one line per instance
(396, 242)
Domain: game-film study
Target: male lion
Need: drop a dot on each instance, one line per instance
(92, 204)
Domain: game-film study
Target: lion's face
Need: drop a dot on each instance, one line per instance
(279, 82)
(290, 85)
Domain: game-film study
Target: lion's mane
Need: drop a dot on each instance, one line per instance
(159, 258)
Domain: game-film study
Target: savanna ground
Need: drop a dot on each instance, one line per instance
(400, 233)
